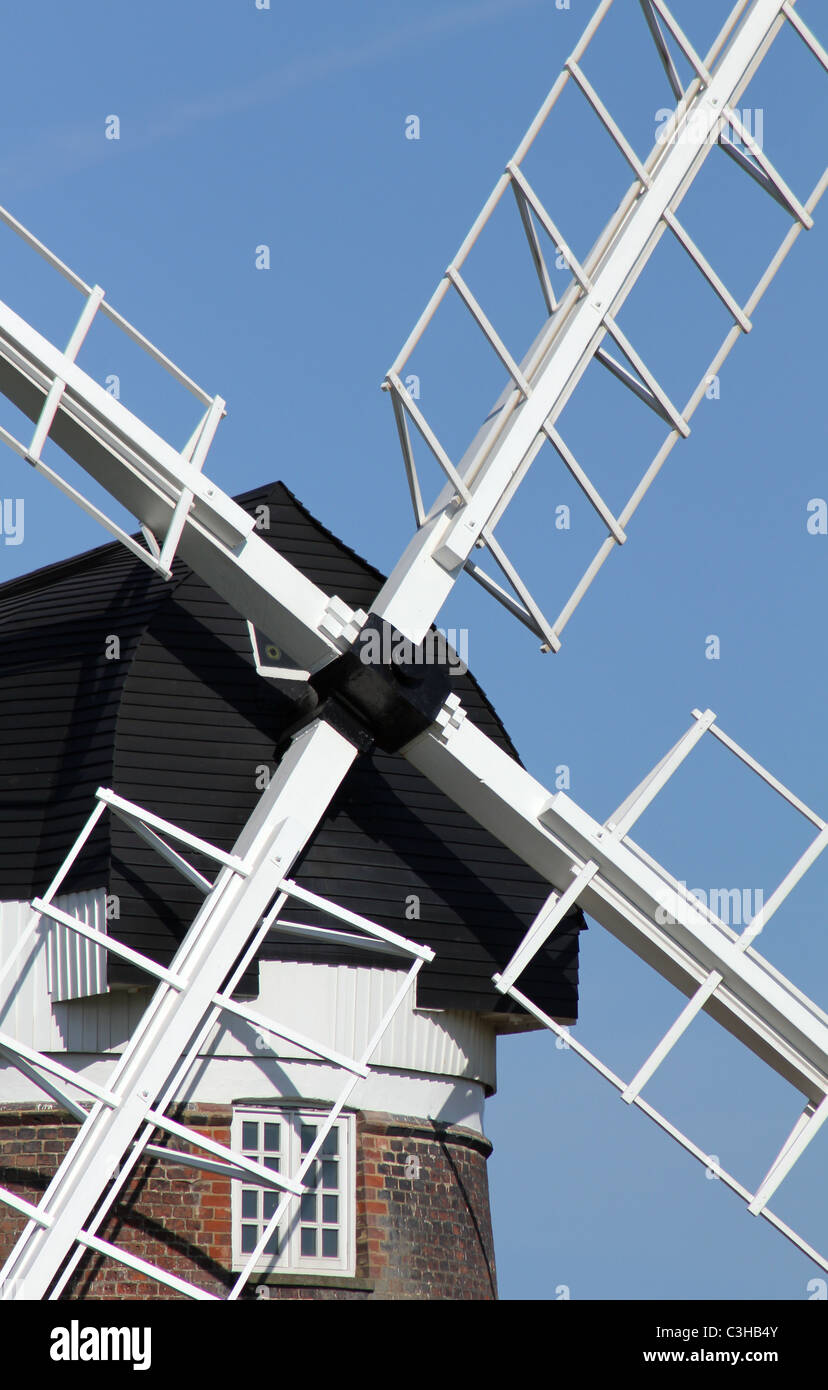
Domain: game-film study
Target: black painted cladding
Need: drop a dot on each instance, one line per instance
(182, 725)
(59, 700)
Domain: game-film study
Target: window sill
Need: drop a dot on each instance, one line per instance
(314, 1281)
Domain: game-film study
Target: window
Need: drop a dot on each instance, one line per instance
(316, 1234)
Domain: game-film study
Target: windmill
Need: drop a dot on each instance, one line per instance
(407, 706)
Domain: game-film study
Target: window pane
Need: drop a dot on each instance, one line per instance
(272, 1136)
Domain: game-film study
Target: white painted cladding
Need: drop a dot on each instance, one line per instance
(341, 1004)
(76, 966)
(335, 1004)
(30, 1013)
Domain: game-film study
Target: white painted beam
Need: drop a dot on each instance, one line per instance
(551, 833)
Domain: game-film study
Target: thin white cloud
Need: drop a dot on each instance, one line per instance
(64, 150)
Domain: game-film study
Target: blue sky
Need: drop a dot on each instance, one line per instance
(285, 127)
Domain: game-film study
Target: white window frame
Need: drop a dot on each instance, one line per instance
(290, 1259)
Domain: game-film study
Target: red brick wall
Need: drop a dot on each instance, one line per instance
(423, 1222)
(428, 1236)
(170, 1215)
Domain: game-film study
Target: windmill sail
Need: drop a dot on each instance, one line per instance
(582, 325)
(595, 864)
